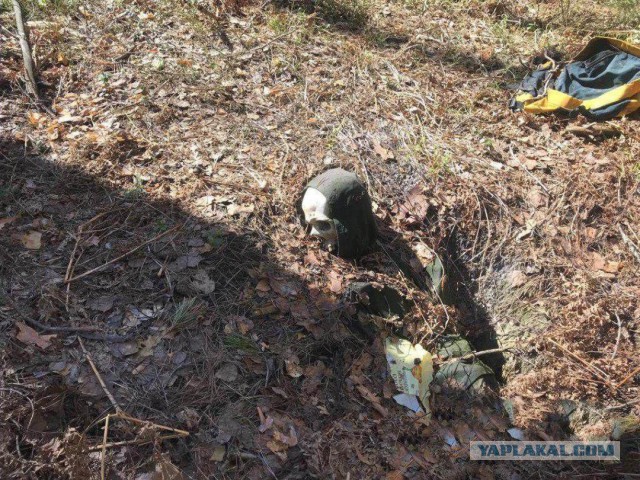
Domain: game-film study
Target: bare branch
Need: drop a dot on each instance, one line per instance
(23, 37)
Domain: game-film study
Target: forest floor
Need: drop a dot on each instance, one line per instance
(150, 240)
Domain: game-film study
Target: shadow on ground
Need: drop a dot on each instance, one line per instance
(194, 325)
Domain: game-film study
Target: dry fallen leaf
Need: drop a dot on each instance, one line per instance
(383, 152)
(32, 240)
(28, 335)
(283, 287)
(101, 304)
(415, 207)
(70, 119)
(290, 440)
(265, 422)
(234, 209)
(218, 453)
(280, 392)
(228, 372)
(244, 325)
(263, 285)
(6, 221)
(311, 258)
(335, 282)
(292, 365)
(598, 262)
(147, 346)
(516, 278)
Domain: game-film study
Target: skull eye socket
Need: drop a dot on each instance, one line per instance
(322, 226)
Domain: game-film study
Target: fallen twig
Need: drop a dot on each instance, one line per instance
(124, 255)
(71, 264)
(593, 130)
(121, 415)
(69, 271)
(472, 355)
(103, 455)
(635, 251)
(623, 405)
(84, 332)
(99, 377)
(279, 37)
(124, 443)
(628, 377)
(619, 323)
(595, 370)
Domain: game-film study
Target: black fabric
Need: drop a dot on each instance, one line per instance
(349, 206)
(605, 113)
(534, 82)
(600, 73)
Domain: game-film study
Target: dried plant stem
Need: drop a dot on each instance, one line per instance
(99, 377)
(81, 228)
(635, 251)
(124, 255)
(628, 377)
(120, 415)
(103, 456)
(594, 370)
(29, 67)
(130, 442)
(619, 323)
(473, 355)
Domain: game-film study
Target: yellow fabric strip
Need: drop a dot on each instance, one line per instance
(552, 101)
(523, 97)
(632, 107)
(627, 90)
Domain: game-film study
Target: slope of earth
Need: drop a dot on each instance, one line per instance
(148, 222)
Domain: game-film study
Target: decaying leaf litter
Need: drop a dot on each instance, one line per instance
(182, 159)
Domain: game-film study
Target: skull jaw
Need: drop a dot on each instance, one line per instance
(329, 238)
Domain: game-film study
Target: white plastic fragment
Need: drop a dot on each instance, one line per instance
(409, 401)
(516, 433)
(411, 368)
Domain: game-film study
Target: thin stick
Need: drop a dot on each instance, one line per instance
(84, 332)
(103, 457)
(123, 416)
(619, 323)
(624, 405)
(71, 266)
(124, 255)
(628, 377)
(526, 171)
(99, 377)
(471, 355)
(279, 37)
(123, 443)
(635, 251)
(591, 368)
(26, 51)
(69, 272)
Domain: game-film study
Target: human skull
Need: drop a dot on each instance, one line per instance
(337, 207)
(314, 206)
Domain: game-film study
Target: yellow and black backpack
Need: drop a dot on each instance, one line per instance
(601, 82)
